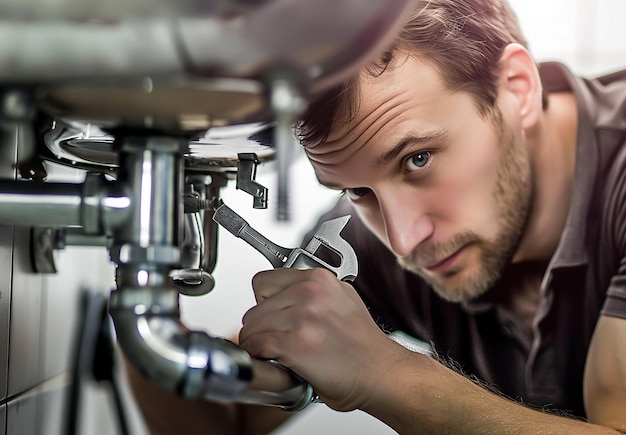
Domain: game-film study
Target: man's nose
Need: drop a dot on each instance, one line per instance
(406, 223)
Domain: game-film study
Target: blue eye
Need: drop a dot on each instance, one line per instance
(418, 160)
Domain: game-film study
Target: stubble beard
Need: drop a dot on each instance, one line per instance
(512, 198)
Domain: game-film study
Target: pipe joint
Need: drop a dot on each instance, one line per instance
(217, 369)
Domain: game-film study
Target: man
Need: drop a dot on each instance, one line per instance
(489, 219)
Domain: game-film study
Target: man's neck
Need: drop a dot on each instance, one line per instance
(552, 148)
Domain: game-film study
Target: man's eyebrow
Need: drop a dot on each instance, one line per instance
(423, 139)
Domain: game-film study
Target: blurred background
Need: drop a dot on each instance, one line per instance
(587, 35)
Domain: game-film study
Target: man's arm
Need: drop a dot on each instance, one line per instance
(424, 396)
(166, 413)
(320, 328)
(605, 374)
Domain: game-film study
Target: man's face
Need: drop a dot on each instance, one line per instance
(446, 189)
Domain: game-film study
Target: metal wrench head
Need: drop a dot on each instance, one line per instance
(328, 235)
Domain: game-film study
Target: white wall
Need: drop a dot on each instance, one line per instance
(588, 35)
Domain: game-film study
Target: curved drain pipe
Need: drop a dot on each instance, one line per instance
(192, 363)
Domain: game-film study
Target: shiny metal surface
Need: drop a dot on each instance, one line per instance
(88, 146)
(198, 251)
(178, 104)
(59, 203)
(93, 205)
(194, 278)
(153, 173)
(144, 307)
(70, 39)
(327, 235)
(116, 60)
(205, 367)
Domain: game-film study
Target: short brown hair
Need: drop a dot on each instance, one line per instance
(462, 39)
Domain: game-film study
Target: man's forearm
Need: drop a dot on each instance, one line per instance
(424, 396)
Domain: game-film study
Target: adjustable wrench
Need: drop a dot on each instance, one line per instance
(327, 235)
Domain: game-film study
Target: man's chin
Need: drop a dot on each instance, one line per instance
(464, 288)
(457, 295)
(453, 287)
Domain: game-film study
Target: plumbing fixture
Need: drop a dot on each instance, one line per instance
(142, 98)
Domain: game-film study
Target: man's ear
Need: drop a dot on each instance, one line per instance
(520, 77)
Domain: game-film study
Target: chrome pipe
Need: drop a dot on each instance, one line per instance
(192, 248)
(149, 174)
(75, 236)
(208, 190)
(210, 227)
(152, 168)
(94, 205)
(38, 203)
(191, 363)
(193, 279)
(199, 247)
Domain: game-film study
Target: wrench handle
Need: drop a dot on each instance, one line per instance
(236, 225)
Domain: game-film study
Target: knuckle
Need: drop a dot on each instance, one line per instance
(262, 346)
(247, 316)
(320, 274)
(309, 314)
(258, 278)
(314, 290)
(262, 279)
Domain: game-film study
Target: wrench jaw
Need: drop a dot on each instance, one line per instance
(327, 236)
(303, 260)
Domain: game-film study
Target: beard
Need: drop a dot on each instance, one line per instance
(512, 198)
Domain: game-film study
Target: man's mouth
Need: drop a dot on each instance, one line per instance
(445, 263)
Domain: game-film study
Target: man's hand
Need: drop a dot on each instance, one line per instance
(318, 326)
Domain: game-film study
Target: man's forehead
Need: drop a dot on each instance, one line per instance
(408, 78)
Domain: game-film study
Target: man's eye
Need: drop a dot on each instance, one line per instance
(418, 160)
(356, 193)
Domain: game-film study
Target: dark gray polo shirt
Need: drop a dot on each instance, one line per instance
(587, 275)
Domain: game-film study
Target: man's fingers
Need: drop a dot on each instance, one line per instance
(270, 282)
(260, 319)
(267, 307)
(264, 345)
